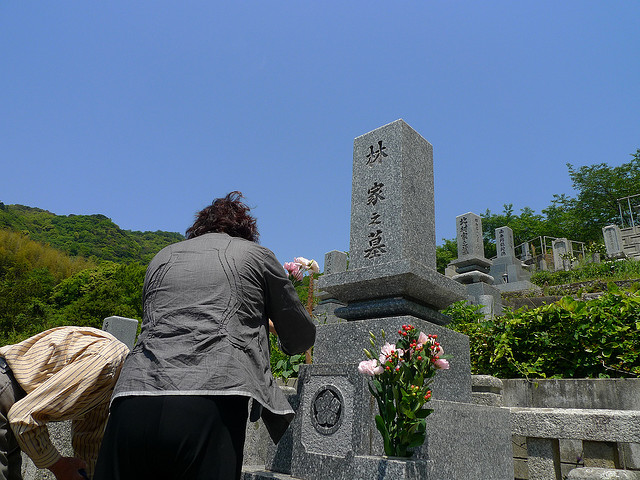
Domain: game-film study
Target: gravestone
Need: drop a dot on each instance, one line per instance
(526, 251)
(391, 281)
(334, 262)
(124, 329)
(473, 268)
(507, 270)
(613, 241)
(392, 266)
(561, 247)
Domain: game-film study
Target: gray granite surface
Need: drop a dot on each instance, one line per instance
(344, 343)
(613, 240)
(470, 242)
(591, 473)
(388, 307)
(124, 329)
(474, 276)
(595, 425)
(404, 278)
(392, 199)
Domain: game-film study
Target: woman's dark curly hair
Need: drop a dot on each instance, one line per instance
(225, 215)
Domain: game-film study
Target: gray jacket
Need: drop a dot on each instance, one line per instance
(207, 302)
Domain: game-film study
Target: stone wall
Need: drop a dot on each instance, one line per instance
(566, 424)
(631, 241)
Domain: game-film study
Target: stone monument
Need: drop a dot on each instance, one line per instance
(334, 262)
(613, 241)
(124, 329)
(391, 281)
(561, 248)
(473, 268)
(507, 270)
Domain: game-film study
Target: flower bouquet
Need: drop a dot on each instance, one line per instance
(296, 271)
(400, 379)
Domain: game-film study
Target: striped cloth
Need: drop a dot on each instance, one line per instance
(68, 373)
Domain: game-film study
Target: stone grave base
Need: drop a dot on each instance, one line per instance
(518, 286)
(343, 343)
(477, 293)
(404, 278)
(365, 467)
(464, 441)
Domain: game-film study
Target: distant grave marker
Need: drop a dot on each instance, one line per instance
(124, 329)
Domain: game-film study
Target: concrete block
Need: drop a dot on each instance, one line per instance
(600, 454)
(592, 425)
(486, 390)
(279, 457)
(583, 393)
(589, 473)
(544, 459)
(629, 454)
(470, 239)
(519, 444)
(124, 329)
(392, 198)
(475, 436)
(404, 278)
(571, 451)
(335, 261)
(520, 469)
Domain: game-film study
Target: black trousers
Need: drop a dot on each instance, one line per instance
(173, 438)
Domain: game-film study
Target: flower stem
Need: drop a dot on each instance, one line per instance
(307, 354)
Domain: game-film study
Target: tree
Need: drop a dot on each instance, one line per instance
(445, 253)
(91, 295)
(595, 206)
(526, 226)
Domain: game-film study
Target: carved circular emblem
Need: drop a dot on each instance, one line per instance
(327, 410)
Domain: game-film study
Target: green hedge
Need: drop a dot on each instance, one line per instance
(567, 339)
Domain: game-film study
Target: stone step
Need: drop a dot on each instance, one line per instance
(257, 472)
(591, 473)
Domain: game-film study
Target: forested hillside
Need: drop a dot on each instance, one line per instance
(69, 270)
(85, 235)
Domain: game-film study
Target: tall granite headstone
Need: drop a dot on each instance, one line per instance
(507, 270)
(561, 247)
(471, 264)
(392, 267)
(613, 241)
(473, 268)
(391, 281)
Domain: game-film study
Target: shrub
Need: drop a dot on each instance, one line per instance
(567, 339)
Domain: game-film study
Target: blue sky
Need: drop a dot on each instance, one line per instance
(146, 111)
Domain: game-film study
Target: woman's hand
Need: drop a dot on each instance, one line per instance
(272, 328)
(68, 468)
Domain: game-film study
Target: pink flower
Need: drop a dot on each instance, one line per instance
(387, 349)
(422, 338)
(313, 266)
(441, 364)
(303, 262)
(370, 367)
(293, 269)
(307, 264)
